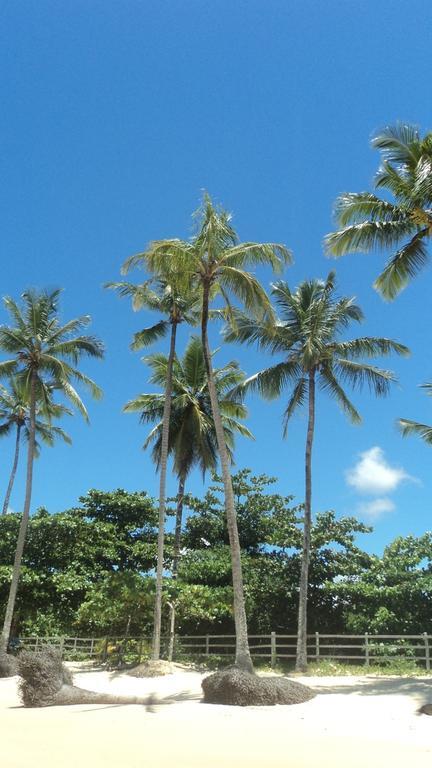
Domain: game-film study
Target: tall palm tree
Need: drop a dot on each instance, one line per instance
(408, 427)
(15, 415)
(172, 297)
(367, 221)
(307, 336)
(215, 262)
(44, 359)
(192, 437)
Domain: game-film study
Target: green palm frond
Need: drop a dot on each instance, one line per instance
(147, 336)
(408, 427)
(407, 262)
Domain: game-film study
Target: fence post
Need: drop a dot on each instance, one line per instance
(207, 645)
(91, 647)
(317, 647)
(105, 650)
(61, 646)
(366, 649)
(273, 649)
(427, 651)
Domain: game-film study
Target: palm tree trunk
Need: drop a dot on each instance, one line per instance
(162, 498)
(301, 660)
(13, 473)
(176, 557)
(242, 658)
(4, 640)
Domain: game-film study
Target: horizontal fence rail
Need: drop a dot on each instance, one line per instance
(364, 649)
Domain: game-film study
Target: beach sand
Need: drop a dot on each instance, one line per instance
(353, 721)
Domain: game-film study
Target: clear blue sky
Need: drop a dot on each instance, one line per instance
(115, 115)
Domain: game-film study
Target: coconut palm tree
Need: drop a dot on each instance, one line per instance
(408, 427)
(192, 437)
(167, 293)
(215, 262)
(368, 221)
(308, 337)
(44, 358)
(15, 415)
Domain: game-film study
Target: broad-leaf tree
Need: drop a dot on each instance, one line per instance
(192, 438)
(44, 355)
(309, 338)
(403, 224)
(168, 293)
(15, 416)
(216, 263)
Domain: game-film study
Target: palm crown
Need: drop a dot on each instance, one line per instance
(46, 351)
(15, 412)
(192, 438)
(368, 221)
(307, 334)
(161, 296)
(215, 258)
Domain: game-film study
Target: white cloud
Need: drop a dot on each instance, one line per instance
(373, 475)
(376, 508)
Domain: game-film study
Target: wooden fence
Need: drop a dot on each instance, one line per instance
(361, 649)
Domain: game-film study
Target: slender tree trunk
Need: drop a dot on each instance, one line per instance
(301, 660)
(162, 498)
(14, 469)
(4, 640)
(176, 557)
(243, 658)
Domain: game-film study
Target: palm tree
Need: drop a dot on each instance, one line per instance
(368, 221)
(307, 335)
(192, 437)
(215, 262)
(171, 297)
(408, 427)
(15, 415)
(44, 359)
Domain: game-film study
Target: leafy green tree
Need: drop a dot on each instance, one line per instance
(408, 427)
(172, 297)
(15, 415)
(216, 263)
(392, 593)
(368, 221)
(76, 561)
(270, 531)
(44, 358)
(308, 336)
(192, 437)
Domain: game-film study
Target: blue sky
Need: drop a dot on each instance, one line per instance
(115, 115)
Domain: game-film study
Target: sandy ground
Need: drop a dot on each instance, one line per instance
(354, 721)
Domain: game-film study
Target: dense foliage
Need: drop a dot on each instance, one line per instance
(90, 570)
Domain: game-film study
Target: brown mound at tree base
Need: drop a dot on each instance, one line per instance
(152, 668)
(243, 689)
(46, 682)
(426, 709)
(8, 665)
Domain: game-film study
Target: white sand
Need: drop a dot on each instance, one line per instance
(354, 721)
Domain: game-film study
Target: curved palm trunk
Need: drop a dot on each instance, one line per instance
(176, 558)
(242, 658)
(4, 640)
(301, 660)
(14, 469)
(162, 498)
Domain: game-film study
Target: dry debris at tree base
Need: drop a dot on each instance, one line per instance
(243, 689)
(46, 682)
(152, 668)
(8, 665)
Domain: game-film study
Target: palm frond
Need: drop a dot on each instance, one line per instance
(403, 266)
(408, 427)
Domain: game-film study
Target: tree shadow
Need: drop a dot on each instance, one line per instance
(413, 687)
